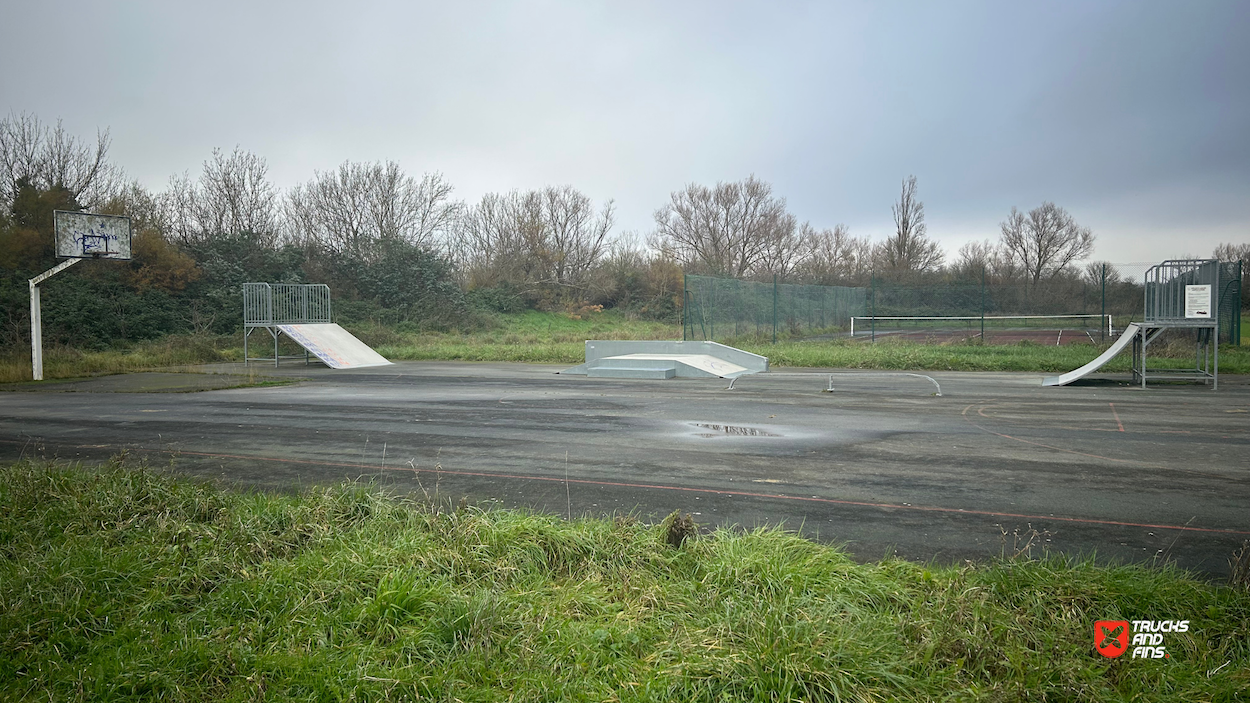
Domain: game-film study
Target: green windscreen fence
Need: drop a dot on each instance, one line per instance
(724, 308)
(1229, 306)
(728, 308)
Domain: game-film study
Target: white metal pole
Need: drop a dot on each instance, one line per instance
(36, 333)
(36, 318)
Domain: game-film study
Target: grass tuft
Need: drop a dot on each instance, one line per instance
(678, 528)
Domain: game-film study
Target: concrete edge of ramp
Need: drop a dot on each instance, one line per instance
(615, 358)
(335, 346)
(1125, 339)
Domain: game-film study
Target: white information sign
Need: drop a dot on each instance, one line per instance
(1198, 301)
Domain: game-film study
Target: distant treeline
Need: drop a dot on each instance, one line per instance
(403, 250)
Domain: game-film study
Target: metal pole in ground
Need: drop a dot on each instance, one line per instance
(36, 317)
(36, 334)
(711, 318)
(685, 296)
(983, 305)
(1103, 319)
(872, 285)
(1215, 331)
(774, 308)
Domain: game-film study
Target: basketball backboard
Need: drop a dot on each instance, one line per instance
(80, 235)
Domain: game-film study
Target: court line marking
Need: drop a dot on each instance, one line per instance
(1073, 451)
(986, 406)
(712, 491)
(1116, 415)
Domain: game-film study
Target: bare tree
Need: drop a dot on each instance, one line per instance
(784, 249)
(724, 230)
(550, 236)
(48, 157)
(576, 238)
(975, 260)
(479, 234)
(909, 250)
(1045, 241)
(1095, 271)
(232, 196)
(833, 256)
(144, 208)
(348, 210)
(1232, 252)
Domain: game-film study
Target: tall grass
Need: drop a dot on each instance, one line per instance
(122, 583)
(166, 353)
(530, 336)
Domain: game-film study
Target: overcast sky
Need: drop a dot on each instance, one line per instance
(1134, 116)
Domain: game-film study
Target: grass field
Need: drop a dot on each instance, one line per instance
(558, 338)
(124, 584)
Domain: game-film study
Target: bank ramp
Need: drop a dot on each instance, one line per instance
(661, 360)
(337, 347)
(1125, 339)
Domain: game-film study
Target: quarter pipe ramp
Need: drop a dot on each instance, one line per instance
(1125, 339)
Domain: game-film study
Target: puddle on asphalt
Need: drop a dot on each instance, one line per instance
(730, 431)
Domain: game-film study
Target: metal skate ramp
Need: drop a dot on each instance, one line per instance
(1126, 338)
(664, 359)
(335, 346)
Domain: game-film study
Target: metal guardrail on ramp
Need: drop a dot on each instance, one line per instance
(301, 312)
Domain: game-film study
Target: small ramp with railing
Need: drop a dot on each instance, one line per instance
(301, 312)
(664, 359)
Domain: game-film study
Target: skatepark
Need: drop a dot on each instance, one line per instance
(880, 464)
(933, 466)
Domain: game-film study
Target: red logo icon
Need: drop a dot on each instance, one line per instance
(1111, 637)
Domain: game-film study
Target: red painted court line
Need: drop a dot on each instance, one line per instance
(713, 491)
(1117, 416)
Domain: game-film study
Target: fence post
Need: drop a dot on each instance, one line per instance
(872, 285)
(1103, 319)
(685, 298)
(982, 305)
(774, 308)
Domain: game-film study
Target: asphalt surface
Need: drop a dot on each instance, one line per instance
(997, 464)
